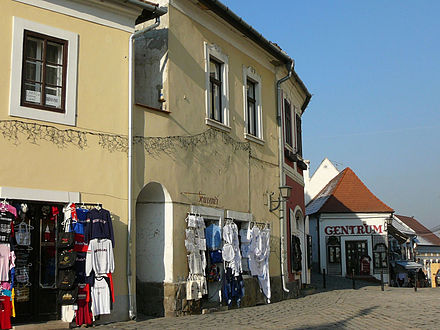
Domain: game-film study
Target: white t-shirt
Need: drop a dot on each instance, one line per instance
(100, 293)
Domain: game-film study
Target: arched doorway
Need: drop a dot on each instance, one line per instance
(297, 227)
(154, 248)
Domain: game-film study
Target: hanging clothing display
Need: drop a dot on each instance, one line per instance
(91, 249)
(231, 248)
(233, 284)
(233, 287)
(8, 215)
(213, 237)
(101, 296)
(259, 252)
(6, 225)
(100, 257)
(99, 225)
(196, 245)
(295, 252)
(7, 259)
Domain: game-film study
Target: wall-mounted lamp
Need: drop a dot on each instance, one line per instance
(388, 222)
(284, 195)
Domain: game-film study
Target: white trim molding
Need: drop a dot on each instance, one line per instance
(40, 195)
(214, 51)
(120, 16)
(242, 216)
(249, 73)
(15, 107)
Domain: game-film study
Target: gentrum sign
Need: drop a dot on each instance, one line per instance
(353, 230)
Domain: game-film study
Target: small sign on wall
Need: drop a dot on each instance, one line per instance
(33, 96)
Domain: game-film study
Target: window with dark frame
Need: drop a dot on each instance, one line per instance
(44, 72)
(252, 115)
(334, 250)
(380, 256)
(287, 123)
(215, 85)
(298, 135)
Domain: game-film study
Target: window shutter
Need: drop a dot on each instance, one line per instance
(298, 135)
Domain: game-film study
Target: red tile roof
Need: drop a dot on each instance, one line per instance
(346, 193)
(420, 229)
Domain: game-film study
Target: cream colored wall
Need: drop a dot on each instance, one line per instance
(238, 178)
(99, 174)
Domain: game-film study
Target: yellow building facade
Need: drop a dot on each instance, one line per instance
(195, 156)
(64, 126)
(67, 138)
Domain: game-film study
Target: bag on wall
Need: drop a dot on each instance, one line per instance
(67, 297)
(66, 240)
(66, 279)
(23, 234)
(66, 259)
(22, 293)
(22, 274)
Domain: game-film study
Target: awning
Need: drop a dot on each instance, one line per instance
(397, 234)
(409, 265)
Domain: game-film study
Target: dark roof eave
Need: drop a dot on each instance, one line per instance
(229, 16)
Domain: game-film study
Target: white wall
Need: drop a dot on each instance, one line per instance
(154, 235)
(351, 219)
(325, 172)
(150, 242)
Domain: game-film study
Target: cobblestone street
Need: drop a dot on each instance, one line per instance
(339, 307)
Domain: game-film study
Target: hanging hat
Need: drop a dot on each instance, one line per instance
(228, 252)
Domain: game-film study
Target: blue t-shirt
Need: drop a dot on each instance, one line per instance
(213, 237)
(78, 226)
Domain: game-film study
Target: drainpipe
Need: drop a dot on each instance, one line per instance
(282, 180)
(131, 310)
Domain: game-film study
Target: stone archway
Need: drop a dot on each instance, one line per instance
(154, 248)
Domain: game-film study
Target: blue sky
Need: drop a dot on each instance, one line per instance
(373, 68)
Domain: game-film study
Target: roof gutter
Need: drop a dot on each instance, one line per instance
(282, 214)
(153, 8)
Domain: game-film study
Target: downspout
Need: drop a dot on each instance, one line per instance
(131, 310)
(281, 163)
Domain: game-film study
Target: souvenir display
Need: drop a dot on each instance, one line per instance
(72, 252)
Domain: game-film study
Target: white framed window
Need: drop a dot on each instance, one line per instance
(217, 87)
(252, 105)
(43, 73)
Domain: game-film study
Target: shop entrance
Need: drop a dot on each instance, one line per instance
(354, 251)
(36, 260)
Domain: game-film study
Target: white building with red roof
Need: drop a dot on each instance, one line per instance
(348, 225)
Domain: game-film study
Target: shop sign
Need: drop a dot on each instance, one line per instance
(201, 198)
(353, 230)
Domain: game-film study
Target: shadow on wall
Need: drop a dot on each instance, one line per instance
(150, 250)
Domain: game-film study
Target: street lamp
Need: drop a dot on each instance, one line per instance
(284, 194)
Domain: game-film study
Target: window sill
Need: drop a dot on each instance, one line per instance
(217, 124)
(43, 115)
(253, 138)
(144, 106)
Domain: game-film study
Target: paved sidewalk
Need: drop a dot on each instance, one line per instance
(338, 307)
